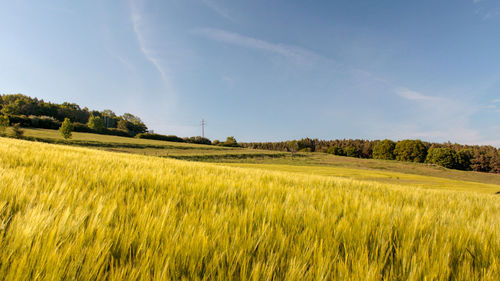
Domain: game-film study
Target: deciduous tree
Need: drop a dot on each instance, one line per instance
(384, 150)
(95, 123)
(410, 150)
(443, 156)
(66, 128)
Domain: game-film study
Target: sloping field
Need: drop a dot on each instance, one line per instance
(389, 177)
(385, 171)
(178, 150)
(70, 213)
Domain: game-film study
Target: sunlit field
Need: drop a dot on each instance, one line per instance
(157, 148)
(389, 177)
(80, 214)
(392, 172)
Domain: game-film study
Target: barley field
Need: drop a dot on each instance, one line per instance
(382, 176)
(384, 171)
(72, 213)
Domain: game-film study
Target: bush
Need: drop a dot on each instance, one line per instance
(22, 120)
(198, 140)
(45, 122)
(384, 150)
(80, 127)
(159, 137)
(351, 151)
(116, 132)
(66, 128)
(335, 150)
(443, 156)
(230, 142)
(95, 123)
(4, 123)
(17, 132)
(410, 150)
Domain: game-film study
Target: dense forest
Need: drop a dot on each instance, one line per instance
(480, 158)
(32, 112)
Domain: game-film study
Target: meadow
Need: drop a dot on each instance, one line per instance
(73, 213)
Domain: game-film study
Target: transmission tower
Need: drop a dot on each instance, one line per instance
(203, 124)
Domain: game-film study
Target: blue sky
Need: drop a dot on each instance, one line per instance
(266, 70)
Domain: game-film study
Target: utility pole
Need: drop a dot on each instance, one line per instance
(203, 123)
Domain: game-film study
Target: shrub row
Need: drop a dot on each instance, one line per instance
(152, 136)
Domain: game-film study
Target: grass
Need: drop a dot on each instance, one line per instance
(70, 213)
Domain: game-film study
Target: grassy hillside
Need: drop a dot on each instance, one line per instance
(309, 161)
(76, 213)
(393, 172)
(176, 150)
(382, 176)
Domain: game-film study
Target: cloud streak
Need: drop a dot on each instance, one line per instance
(166, 96)
(221, 11)
(434, 118)
(295, 53)
(138, 26)
(416, 96)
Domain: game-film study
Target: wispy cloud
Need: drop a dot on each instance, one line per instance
(496, 101)
(439, 118)
(119, 58)
(413, 95)
(431, 117)
(166, 96)
(486, 11)
(293, 52)
(219, 9)
(138, 27)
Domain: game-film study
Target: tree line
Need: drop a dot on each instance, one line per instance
(23, 111)
(32, 112)
(480, 158)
